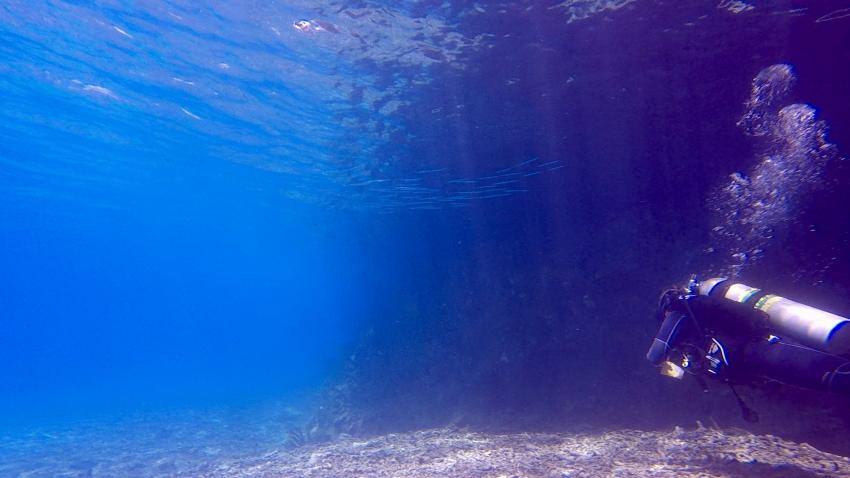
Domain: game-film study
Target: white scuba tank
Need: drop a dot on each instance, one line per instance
(810, 326)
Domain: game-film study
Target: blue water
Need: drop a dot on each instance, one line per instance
(155, 258)
(447, 212)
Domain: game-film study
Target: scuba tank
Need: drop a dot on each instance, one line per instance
(807, 325)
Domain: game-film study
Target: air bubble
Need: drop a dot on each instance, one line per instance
(794, 152)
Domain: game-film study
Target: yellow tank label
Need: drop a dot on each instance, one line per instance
(765, 303)
(740, 292)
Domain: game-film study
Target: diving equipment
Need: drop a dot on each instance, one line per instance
(807, 325)
(737, 334)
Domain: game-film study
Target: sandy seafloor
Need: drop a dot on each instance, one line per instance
(232, 445)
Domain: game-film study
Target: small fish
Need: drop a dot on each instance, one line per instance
(493, 196)
(122, 31)
(430, 171)
(99, 90)
(190, 114)
(836, 15)
(518, 165)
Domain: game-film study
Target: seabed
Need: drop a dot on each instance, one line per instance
(680, 453)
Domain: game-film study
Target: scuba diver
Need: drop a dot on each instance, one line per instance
(738, 335)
